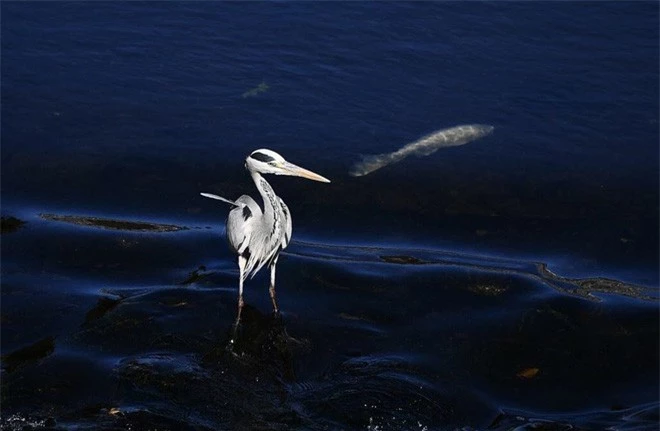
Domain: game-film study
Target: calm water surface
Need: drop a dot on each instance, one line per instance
(511, 283)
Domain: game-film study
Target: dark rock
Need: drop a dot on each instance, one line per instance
(10, 224)
(31, 353)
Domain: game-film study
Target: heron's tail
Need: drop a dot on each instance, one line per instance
(212, 196)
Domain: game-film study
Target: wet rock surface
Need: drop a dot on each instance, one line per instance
(369, 338)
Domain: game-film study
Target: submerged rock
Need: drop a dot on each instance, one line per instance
(194, 276)
(28, 354)
(10, 224)
(104, 223)
(104, 305)
(402, 260)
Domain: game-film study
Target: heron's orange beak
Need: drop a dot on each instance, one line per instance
(297, 171)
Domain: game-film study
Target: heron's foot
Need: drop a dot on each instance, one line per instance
(235, 333)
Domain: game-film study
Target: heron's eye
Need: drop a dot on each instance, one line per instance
(262, 157)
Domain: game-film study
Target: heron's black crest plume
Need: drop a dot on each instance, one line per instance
(262, 157)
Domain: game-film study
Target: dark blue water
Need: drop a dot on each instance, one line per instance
(501, 283)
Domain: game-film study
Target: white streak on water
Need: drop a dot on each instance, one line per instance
(429, 144)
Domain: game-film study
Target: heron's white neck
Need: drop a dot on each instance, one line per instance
(267, 193)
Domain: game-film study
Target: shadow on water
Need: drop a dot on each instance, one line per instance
(114, 326)
(258, 340)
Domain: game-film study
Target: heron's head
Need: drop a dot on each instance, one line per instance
(267, 161)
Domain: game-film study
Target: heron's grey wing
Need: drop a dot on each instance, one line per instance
(266, 242)
(241, 222)
(288, 226)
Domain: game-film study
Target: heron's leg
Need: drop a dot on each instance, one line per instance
(272, 285)
(242, 261)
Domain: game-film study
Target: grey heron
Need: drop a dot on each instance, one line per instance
(258, 233)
